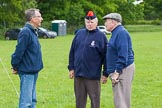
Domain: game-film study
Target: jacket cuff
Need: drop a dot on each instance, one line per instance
(118, 71)
(15, 69)
(105, 74)
(70, 68)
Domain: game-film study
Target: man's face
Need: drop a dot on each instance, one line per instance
(91, 24)
(108, 24)
(37, 19)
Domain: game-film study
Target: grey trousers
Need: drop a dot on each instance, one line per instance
(84, 87)
(122, 90)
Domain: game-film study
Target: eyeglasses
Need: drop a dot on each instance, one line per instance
(37, 16)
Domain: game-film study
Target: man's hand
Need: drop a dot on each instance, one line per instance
(114, 78)
(71, 74)
(103, 79)
(14, 71)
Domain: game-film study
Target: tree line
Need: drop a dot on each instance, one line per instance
(74, 11)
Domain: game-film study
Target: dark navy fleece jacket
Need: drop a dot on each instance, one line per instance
(27, 57)
(119, 51)
(88, 54)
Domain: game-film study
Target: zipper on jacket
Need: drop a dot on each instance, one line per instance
(85, 42)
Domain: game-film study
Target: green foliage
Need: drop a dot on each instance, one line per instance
(47, 24)
(8, 11)
(26, 4)
(75, 15)
(53, 10)
(12, 11)
(130, 12)
(78, 9)
(153, 9)
(74, 11)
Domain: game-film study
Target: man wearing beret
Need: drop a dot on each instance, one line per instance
(86, 58)
(120, 60)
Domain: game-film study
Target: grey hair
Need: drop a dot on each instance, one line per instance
(96, 19)
(29, 13)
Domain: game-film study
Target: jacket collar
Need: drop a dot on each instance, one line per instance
(29, 25)
(94, 30)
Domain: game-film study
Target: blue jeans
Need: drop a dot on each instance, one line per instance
(28, 90)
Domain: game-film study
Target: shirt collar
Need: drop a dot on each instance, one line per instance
(35, 29)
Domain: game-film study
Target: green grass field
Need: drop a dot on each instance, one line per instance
(55, 89)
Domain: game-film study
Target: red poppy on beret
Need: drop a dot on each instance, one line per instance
(90, 15)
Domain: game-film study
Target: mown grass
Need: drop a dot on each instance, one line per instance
(55, 89)
(143, 28)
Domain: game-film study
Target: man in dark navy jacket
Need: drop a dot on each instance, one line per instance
(86, 60)
(120, 60)
(27, 59)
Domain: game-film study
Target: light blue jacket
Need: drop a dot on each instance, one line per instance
(119, 51)
(27, 57)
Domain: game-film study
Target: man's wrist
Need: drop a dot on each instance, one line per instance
(105, 74)
(14, 69)
(117, 71)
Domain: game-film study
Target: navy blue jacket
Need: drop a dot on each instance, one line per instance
(27, 57)
(88, 54)
(119, 51)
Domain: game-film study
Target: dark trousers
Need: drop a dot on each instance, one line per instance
(84, 87)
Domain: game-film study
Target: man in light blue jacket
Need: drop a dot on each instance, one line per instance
(26, 61)
(120, 60)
